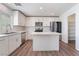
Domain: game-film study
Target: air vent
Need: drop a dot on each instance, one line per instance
(18, 4)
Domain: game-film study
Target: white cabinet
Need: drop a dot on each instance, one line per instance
(21, 19)
(14, 42)
(3, 46)
(18, 18)
(18, 40)
(9, 43)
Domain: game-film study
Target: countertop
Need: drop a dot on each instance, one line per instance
(14, 32)
(20, 31)
(5, 35)
(45, 33)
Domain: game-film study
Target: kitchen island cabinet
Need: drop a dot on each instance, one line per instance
(45, 41)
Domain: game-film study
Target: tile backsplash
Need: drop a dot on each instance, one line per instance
(18, 28)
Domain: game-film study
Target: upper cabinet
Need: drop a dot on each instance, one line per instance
(18, 18)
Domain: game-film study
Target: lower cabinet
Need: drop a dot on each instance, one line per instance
(9, 44)
(18, 40)
(3, 46)
(14, 42)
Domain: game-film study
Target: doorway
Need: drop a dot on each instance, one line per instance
(71, 30)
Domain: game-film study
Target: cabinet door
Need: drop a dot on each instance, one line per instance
(21, 19)
(4, 46)
(15, 18)
(12, 43)
(18, 40)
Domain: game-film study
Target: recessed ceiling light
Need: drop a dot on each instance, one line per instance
(41, 8)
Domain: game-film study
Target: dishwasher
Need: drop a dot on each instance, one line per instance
(23, 37)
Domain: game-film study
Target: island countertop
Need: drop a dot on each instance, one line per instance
(45, 33)
(45, 41)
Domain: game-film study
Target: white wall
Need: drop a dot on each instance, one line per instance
(64, 18)
(30, 23)
(77, 29)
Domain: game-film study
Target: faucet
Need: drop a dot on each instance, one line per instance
(8, 27)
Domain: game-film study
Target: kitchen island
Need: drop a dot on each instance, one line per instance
(45, 41)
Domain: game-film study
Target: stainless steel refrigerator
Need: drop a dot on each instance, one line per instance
(55, 27)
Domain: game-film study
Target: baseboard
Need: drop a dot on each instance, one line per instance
(77, 49)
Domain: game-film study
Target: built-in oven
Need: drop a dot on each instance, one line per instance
(55, 27)
(38, 26)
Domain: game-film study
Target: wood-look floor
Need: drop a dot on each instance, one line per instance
(71, 43)
(26, 50)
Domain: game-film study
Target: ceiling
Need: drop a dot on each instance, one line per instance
(41, 9)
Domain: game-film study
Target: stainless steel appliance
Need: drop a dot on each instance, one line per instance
(38, 26)
(23, 37)
(55, 27)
